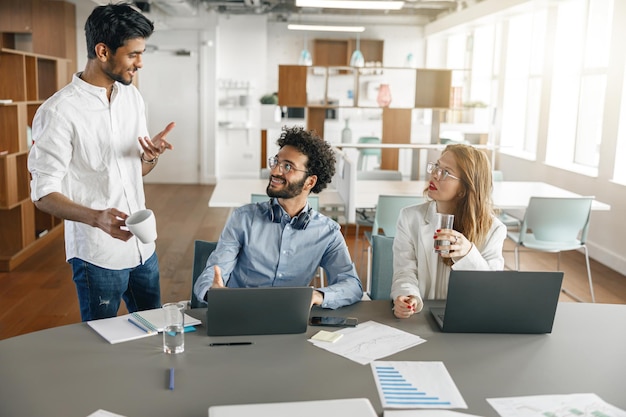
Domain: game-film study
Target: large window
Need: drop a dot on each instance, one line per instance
(482, 65)
(619, 173)
(581, 50)
(525, 37)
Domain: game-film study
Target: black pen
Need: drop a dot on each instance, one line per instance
(230, 344)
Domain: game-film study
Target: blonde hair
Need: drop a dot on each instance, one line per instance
(473, 214)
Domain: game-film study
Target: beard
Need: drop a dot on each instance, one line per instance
(118, 77)
(291, 189)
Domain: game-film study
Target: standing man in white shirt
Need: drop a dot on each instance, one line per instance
(91, 149)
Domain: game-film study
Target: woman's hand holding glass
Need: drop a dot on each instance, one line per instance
(459, 245)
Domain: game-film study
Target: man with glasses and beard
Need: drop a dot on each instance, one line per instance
(283, 241)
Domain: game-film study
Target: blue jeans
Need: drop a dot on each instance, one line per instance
(101, 290)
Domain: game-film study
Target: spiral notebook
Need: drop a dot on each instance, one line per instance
(134, 325)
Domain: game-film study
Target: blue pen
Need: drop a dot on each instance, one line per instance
(139, 325)
(172, 379)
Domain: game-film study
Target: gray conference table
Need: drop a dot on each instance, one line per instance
(71, 371)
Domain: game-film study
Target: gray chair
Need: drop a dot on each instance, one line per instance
(555, 225)
(201, 252)
(382, 267)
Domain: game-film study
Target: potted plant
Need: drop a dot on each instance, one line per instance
(271, 98)
(270, 112)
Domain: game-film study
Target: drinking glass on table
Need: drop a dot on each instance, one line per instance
(174, 330)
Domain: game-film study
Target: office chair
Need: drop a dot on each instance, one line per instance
(555, 225)
(369, 152)
(387, 211)
(382, 268)
(201, 252)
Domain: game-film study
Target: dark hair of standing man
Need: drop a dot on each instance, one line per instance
(113, 25)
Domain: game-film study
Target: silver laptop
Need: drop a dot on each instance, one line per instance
(500, 302)
(252, 311)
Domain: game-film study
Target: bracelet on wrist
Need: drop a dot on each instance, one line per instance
(149, 161)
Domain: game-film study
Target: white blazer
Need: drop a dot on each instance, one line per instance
(415, 262)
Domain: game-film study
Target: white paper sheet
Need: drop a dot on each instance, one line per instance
(416, 385)
(370, 341)
(104, 413)
(579, 405)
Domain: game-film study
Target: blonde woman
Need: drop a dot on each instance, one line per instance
(460, 183)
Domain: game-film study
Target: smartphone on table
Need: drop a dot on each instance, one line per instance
(334, 321)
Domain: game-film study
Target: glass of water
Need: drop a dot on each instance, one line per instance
(174, 330)
(444, 221)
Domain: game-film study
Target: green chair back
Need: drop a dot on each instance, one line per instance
(388, 209)
(201, 252)
(370, 151)
(557, 222)
(364, 153)
(382, 267)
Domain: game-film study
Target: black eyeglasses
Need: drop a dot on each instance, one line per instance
(441, 174)
(285, 167)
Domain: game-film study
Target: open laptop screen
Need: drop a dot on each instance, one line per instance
(501, 301)
(264, 310)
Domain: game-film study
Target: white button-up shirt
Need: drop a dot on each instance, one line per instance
(86, 148)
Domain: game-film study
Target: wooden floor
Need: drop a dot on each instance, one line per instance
(40, 293)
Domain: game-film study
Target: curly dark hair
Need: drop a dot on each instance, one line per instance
(321, 157)
(113, 25)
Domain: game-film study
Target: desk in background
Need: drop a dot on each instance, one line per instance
(72, 371)
(416, 148)
(507, 195)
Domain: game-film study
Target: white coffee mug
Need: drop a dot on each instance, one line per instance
(143, 225)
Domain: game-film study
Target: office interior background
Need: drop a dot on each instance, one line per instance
(543, 81)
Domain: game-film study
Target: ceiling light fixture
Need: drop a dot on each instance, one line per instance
(325, 28)
(305, 55)
(357, 59)
(351, 4)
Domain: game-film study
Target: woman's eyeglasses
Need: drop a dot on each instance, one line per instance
(441, 174)
(285, 167)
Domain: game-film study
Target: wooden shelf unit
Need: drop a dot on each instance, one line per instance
(431, 90)
(37, 58)
(28, 79)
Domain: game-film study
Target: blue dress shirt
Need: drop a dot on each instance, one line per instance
(253, 251)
